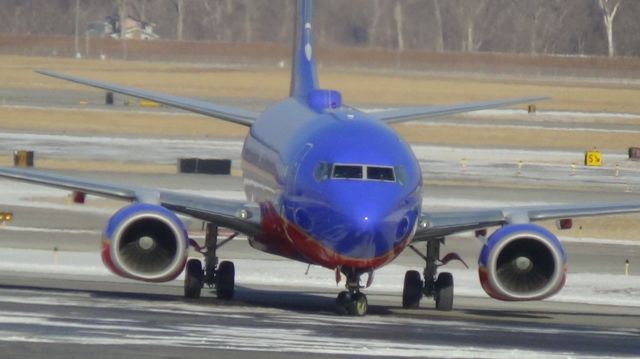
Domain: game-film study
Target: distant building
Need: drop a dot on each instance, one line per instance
(133, 28)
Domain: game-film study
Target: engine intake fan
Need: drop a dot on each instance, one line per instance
(522, 262)
(145, 242)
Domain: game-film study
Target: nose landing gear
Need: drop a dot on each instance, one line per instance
(352, 301)
(354, 304)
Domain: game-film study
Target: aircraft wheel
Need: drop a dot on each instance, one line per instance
(412, 290)
(444, 292)
(225, 280)
(359, 305)
(342, 303)
(193, 278)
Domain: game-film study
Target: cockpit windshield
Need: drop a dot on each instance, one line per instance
(347, 171)
(362, 172)
(380, 173)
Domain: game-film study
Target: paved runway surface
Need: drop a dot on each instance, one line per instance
(263, 323)
(109, 320)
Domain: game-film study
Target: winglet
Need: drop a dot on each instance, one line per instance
(303, 67)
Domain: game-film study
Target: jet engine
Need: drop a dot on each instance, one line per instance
(145, 242)
(522, 262)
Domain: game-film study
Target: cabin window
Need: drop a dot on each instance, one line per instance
(347, 171)
(380, 173)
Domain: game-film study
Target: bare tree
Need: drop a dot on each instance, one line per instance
(179, 5)
(440, 33)
(398, 16)
(122, 17)
(381, 27)
(143, 10)
(522, 26)
(609, 10)
(536, 8)
(248, 22)
(139, 9)
(540, 24)
(470, 14)
(373, 28)
(288, 11)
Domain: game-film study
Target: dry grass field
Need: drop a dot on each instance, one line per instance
(118, 123)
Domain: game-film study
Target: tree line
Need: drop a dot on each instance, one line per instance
(559, 27)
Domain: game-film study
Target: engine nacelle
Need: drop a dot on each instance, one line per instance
(145, 242)
(522, 262)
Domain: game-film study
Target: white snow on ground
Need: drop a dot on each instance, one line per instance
(24, 194)
(607, 289)
(133, 149)
(563, 115)
(6, 228)
(529, 127)
(289, 334)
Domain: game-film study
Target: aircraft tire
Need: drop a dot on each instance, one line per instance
(193, 279)
(225, 280)
(444, 292)
(412, 290)
(342, 303)
(358, 305)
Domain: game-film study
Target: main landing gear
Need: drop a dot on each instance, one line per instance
(352, 301)
(221, 276)
(437, 286)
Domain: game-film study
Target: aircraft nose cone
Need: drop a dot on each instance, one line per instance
(365, 225)
(361, 211)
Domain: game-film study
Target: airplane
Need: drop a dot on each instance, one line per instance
(329, 185)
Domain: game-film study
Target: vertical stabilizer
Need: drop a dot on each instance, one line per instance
(303, 67)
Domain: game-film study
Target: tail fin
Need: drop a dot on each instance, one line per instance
(303, 68)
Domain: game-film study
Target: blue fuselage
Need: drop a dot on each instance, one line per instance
(289, 158)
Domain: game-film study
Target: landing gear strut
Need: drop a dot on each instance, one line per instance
(221, 276)
(352, 301)
(437, 286)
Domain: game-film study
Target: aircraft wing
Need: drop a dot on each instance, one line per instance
(414, 113)
(227, 113)
(241, 216)
(440, 224)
